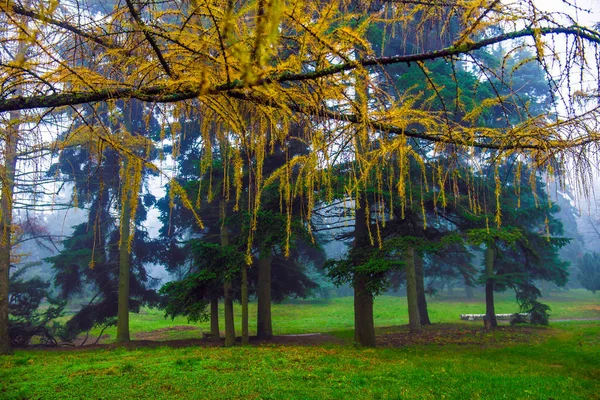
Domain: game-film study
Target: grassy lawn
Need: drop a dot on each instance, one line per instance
(561, 362)
(452, 359)
(336, 314)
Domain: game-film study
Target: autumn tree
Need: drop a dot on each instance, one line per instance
(293, 60)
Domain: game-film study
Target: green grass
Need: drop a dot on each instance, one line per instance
(336, 314)
(558, 363)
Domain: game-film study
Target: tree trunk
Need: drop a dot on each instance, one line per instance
(214, 318)
(490, 312)
(421, 298)
(124, 270)
(244, 294)
(229, 323)
(6, 210)
(414, 321)
(468, 287)
(5, 225)
(264, 327)
(7, 180)
(364, 326)
(227, 287)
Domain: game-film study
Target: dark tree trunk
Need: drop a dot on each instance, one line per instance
(228, 305)
(468, 287)
(6, 210)
(214, 319)
(124, 269)
(490, 312)
(5, 347)
(244, 294)
(421, 298)
(227, 287)
(414, 321)
(7, 177)
(264, 327)
(364, 326)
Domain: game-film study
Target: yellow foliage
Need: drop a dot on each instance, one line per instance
(251, 69)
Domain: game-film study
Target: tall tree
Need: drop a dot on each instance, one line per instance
(10, 153)
(267, 234)
(6, 225)
(98, 251)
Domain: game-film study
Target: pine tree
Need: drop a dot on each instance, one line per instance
(96, 254)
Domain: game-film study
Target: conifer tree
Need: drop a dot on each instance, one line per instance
(99, 254)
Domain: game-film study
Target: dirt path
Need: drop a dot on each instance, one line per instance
(310, 339)
(398, 336)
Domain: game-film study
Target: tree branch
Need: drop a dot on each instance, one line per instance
(173, 93)
(61, 24)
(149, 38)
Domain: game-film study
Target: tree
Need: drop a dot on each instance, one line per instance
(105, 254)
(213, 265)
(19, 146)
(589, 271)
(524, 248)
(289, 61)
(267, 235)
(26, 320)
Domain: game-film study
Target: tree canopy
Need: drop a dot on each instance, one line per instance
(289, 60)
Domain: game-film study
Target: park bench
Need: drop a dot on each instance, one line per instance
(506, 317)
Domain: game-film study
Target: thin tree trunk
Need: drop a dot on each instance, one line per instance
(126, 235)
(7, 180)
(6, 210)
(364, 326)
(414, 321)
(229, 323)
(490, 312)
(468, 287)
(214, 318)
(124, 270)
(227, 287)
(264, 327)
(244, 294)
(421, 298)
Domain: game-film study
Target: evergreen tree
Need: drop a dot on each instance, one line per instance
(96, 255)
(589, 271)
(524, 248)
(26, 318)
(266, 232)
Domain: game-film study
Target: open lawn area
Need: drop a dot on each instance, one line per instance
(336, 314)
(451, 359)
